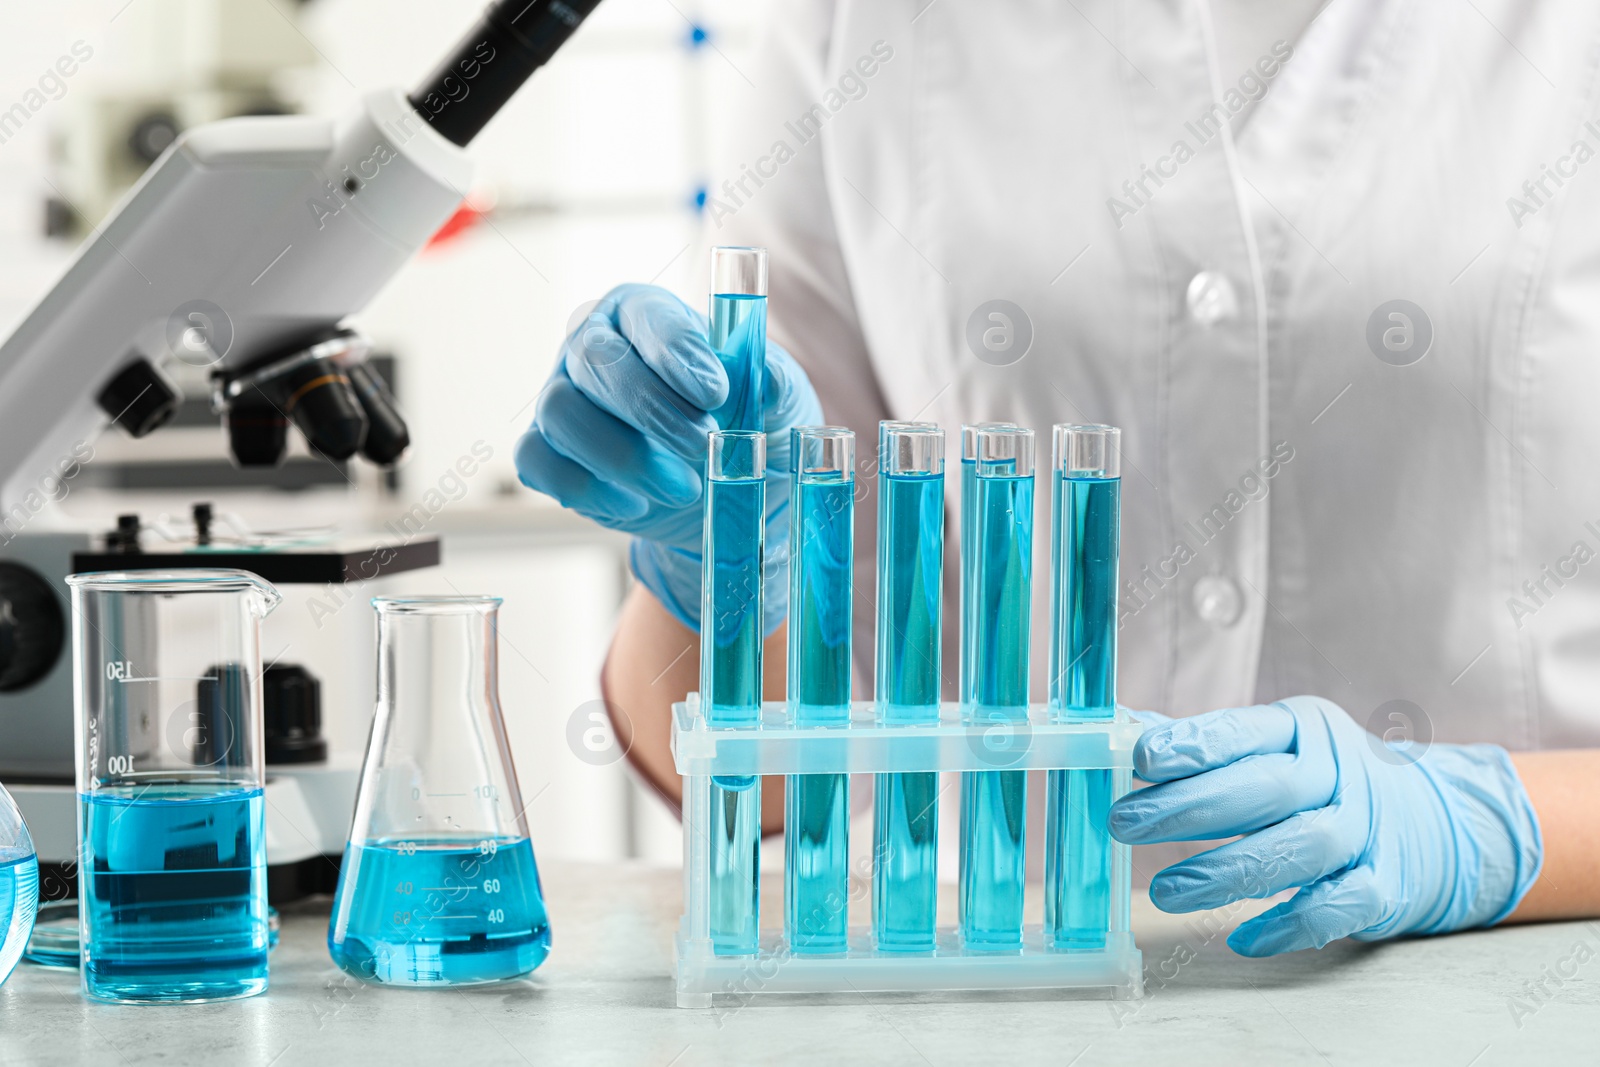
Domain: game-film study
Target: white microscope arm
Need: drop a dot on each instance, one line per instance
(249, 241)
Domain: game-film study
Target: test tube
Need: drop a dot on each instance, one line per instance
(739, 332)
(910, 574)
(969, 499)
(817, 806)
(997, 572)
(730, 672)
(1083, 672)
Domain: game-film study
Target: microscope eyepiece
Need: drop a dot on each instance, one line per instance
(513, 39)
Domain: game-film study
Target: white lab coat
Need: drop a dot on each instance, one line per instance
(1221, 319)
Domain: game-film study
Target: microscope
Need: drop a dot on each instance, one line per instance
(243, 250)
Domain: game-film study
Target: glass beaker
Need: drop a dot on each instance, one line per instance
(439, 885)
(19, 885)
(171, 830)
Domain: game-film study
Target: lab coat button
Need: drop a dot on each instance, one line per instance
(1211, 298)
(1217, 600)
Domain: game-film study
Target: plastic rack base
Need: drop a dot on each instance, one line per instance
(775, 747)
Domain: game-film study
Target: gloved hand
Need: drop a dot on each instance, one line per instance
(619, 436)
(1381, 845)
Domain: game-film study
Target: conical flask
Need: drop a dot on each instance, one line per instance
(439, 885)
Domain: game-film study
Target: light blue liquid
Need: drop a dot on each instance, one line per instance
(173, 892)
(730, 615)
(434, 911)
(905, 861)
(821, 555)
(19, 902)
(735, 865)
(910, 573)
(1003, 596)
(739, 338)
(1083, 672)
(730, 686)
(817, 806)
(1077, 860)
(817, 862)
(994, 803)
(906, 809)
(969, 583)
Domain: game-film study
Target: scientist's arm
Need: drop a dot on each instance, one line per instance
(654, 660)
(1380, 841)
(1565, 790)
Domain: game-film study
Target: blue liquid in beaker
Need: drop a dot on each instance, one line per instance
(19, 900)
(174, 893)
(439, 911)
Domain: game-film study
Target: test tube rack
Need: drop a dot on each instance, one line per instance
(865, 746)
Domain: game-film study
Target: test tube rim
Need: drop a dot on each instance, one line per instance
(970, 431)
(1019, 433)
(1112, 435)
(929, 430)
(757, 438)
(759, 252)
(797, 434)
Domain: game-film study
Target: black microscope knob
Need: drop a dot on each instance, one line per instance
(32, 627)
(139, 399)
(292, 715)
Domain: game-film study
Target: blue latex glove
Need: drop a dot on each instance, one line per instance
(1381, 845)
(619, 436)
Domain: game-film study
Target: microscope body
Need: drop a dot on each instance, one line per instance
(251, 239)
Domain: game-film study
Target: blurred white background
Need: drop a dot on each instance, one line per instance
(589, 178)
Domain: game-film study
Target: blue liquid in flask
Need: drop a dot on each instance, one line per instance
(19, 902)
(174, 894)
(436, 911)
(739, 338)
(994, 803)
(1083, 673)
(906, 805)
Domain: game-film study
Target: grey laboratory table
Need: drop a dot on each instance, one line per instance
(1514, 995)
